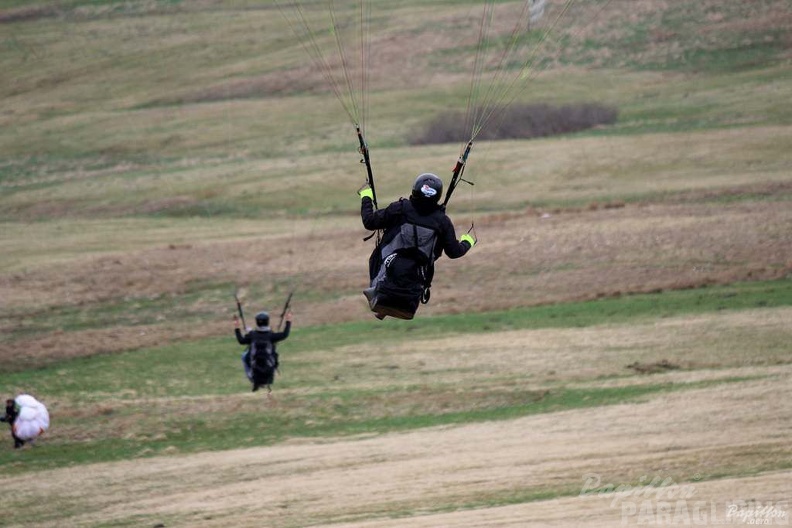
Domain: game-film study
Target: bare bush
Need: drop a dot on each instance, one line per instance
(25, 14)
(519, 122)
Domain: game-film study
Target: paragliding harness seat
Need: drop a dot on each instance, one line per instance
(401, 269)
(263, 360)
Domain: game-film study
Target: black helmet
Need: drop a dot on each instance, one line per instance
(428, 187)
(262, 319)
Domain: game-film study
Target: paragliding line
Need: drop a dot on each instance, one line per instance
(496, 102)
(344, 89)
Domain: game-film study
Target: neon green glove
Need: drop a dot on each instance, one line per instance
(467, 237)
(366, 192)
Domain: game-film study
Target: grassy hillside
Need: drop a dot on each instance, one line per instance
(158, 156)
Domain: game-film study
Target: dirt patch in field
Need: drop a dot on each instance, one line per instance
(733, 429)
(652, 368)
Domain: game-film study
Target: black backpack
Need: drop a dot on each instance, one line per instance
(263, 360)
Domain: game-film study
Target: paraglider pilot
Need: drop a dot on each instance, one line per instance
(417, 232)
(11, 413)
(260, 360)
(27, 417)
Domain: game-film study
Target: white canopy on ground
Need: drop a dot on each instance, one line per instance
(33, 418)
